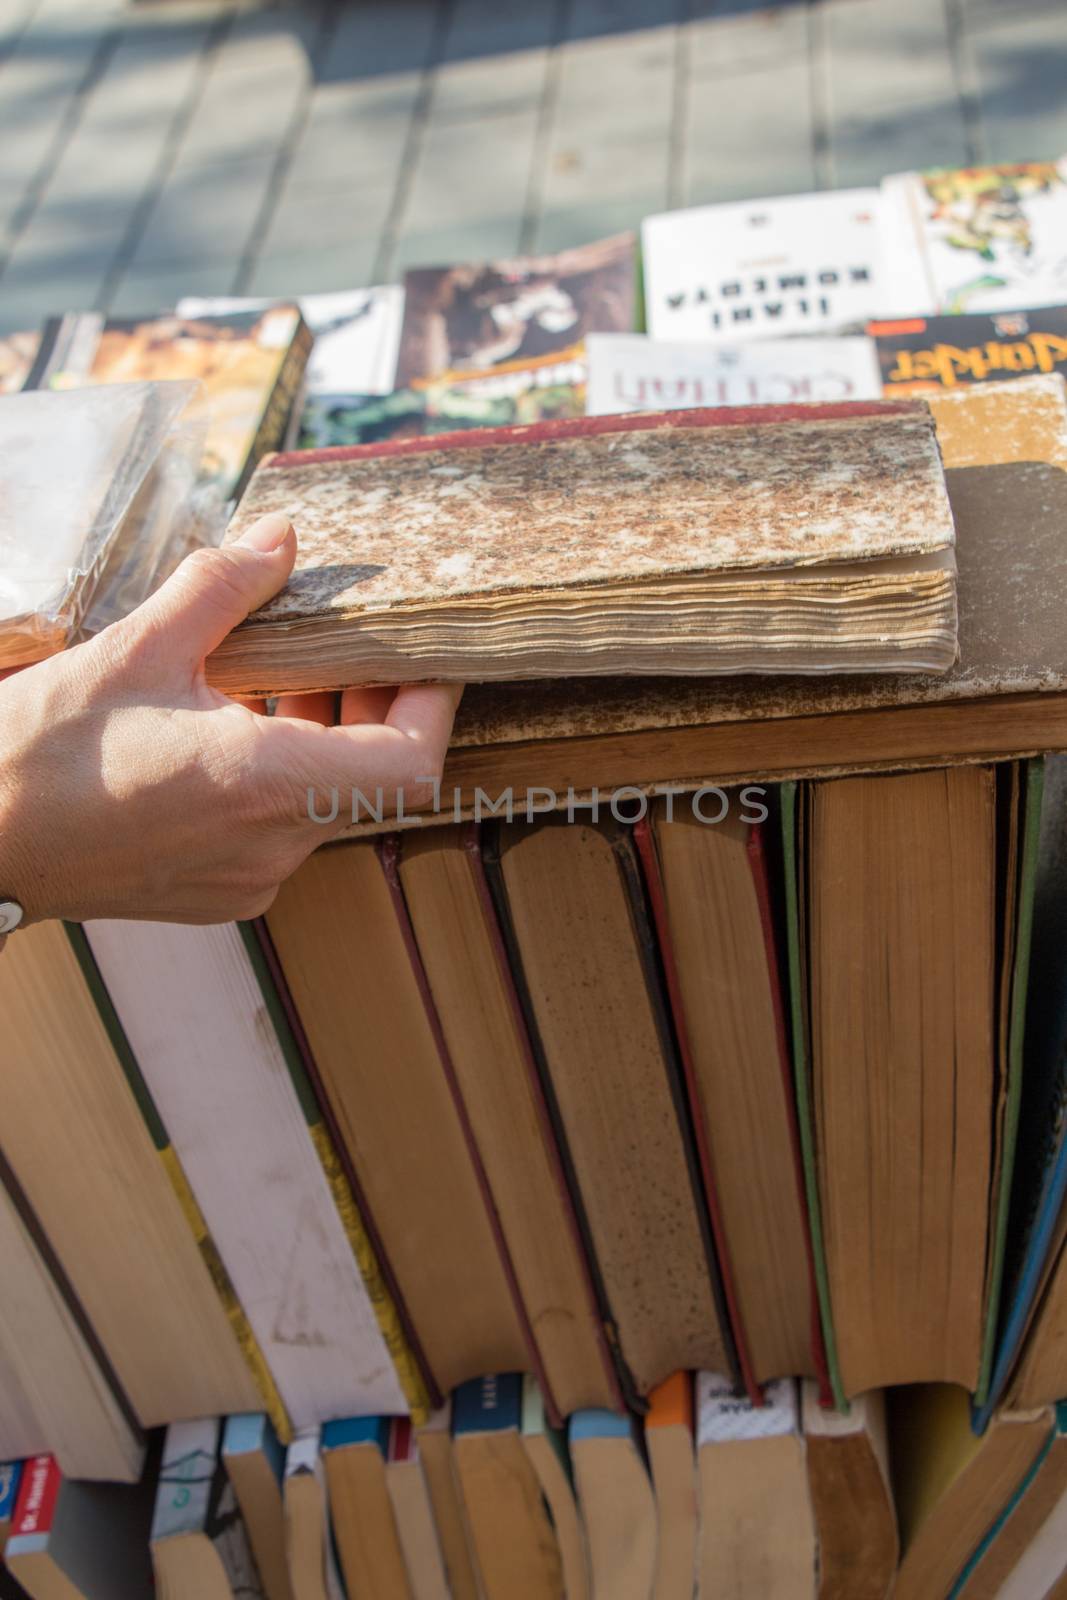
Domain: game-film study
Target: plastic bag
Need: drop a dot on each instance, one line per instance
(172, 514)
(71, 465)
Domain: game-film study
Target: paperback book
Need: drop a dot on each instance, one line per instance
(921, 354)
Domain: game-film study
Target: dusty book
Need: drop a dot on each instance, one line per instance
(707, 542)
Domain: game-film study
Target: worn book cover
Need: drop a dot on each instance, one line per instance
(749, 269)
(632, 372)
(249, 366)
(769, 539)
(485, 314)
(918, 355)
(975, 238)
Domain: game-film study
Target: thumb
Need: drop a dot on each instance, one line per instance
(215, 589)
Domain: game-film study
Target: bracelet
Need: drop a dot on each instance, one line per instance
(10, 916)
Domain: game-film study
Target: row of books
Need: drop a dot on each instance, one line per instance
(488, 1499)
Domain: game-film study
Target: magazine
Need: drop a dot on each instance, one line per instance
(918, 353)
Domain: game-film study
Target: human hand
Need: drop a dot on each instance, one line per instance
(130, 788)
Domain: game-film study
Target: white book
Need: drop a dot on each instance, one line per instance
(357, 335)
(754, 269)
(193, 1012)
(199, 1544)
(724, 1415)
(631, 372)
(980, 239)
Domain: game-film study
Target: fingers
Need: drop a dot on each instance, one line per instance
(425, 712)
(321, 708)
(213, 590)
(366, 705)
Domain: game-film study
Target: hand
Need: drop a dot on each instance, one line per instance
(129, 788)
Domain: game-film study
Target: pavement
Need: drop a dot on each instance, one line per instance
(150, 148)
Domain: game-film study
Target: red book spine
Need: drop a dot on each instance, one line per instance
(646, 849)
(38, 1493)
(586, 427)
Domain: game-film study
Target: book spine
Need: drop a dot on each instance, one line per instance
(757, 860)
(494, 878)
(472, 845)
(209, 1253)
(35, 1507)
(388, 853)
(622, 841)
(276, 413)
(391, 1314)
(487, 1405)
(799, 1025)
(646, 850)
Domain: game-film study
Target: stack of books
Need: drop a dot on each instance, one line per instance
(642, 1174)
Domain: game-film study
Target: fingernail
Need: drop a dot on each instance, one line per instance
(266, 534)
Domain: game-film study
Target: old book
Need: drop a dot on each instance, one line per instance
(454, 922)
(632, 372)
(617, 1504)
(100, 1192)
(975, 238)
(1023, 1554)
(910, 914)
(343, 937)
(799, 540)
(922, 355)
(710, 887)
(313, 1570)
(486, 314)
(671, 1450)
(254, 1459)
(750, 1461)
(409, 1496)
(847, 1454)
(1005, 451)
(805, 263)
(950, 1483)
(200, 1550)
(1032, 1337)
(72, 1540)
(571, 905)
(55, 1395)
(361, 1512)
(228, 1084)
(248, 366)
(515, 1546)
(436, 1452)
(546, 1447)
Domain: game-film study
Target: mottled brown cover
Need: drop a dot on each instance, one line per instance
(1005, 452)
(557, 507)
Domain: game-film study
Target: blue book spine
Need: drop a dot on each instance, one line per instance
(596, 1424)
(357, 1430)
(488, 1405)
(253, 1430)
(10, 1478)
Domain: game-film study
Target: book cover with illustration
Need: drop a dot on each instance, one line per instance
(460, 320)
(805, 263)
(249, 365)
(930, 353)
(977, 238)
(631, 372)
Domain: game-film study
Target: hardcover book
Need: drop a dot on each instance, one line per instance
(920, 355)
(749, 269)
(975, 238)
(632, 372)
(847, 1454)
(771, 541)
(468, 318)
